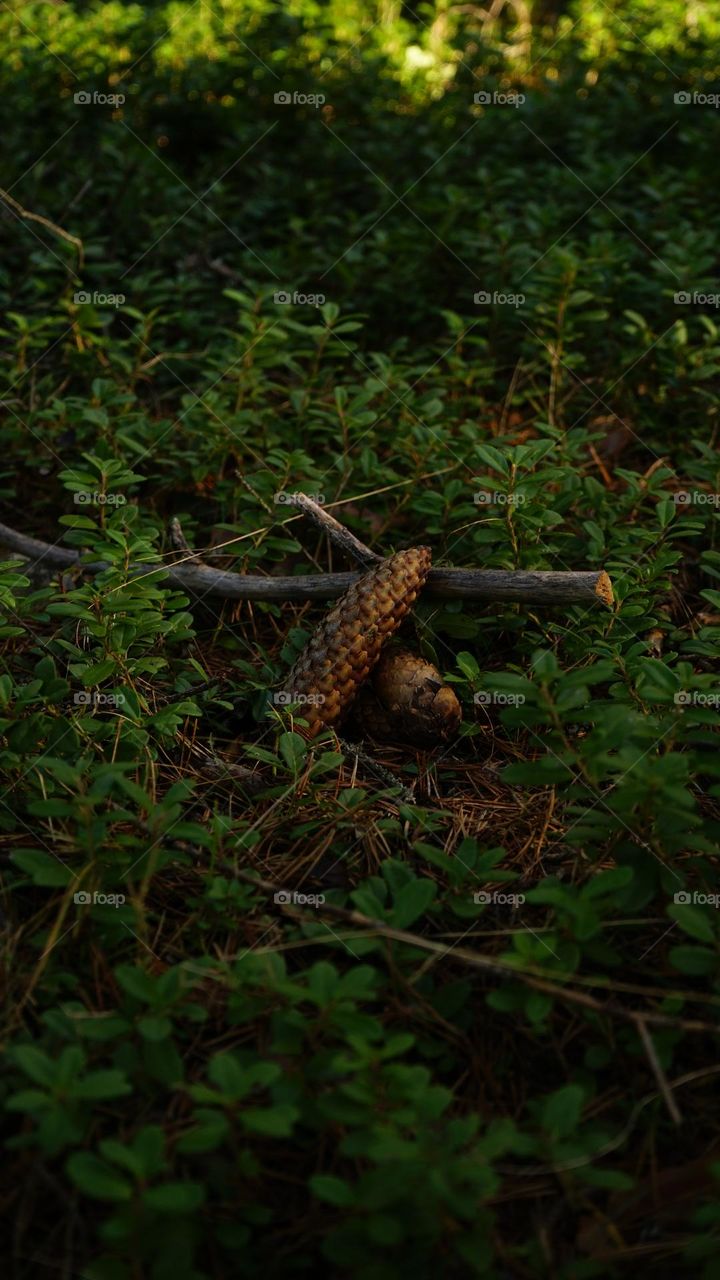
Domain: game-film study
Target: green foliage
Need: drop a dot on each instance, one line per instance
(389, 1063)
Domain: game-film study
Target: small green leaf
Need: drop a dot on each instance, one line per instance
(694, 960)
(96, 1178)
(561, 1111)
(694, 921)
(332, 1190)
(293, 749)
(45, 870)
(274, 1122)
(412, 901)
(175, 1197)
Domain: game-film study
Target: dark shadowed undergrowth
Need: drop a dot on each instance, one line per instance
(267, 1012)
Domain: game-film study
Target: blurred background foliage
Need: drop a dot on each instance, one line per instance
(199, 1085)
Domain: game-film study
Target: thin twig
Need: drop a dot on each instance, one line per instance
(337, 532)
(180, 542)
(658, 1072)
(45, 222)
(488, 964)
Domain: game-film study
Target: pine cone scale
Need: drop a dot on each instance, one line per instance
(346, 646)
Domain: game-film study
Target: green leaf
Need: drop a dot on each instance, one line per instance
(293, 749)
(666, 512)
(175, 1197)
(227, 1075)
(45, 870)
(29, 1100)
(99, 671)
(207, 1135)
(608, 882)
(492, 458)
(468, 665)
(155, 1028)
(561, 1111)
(694, 921)
(332, 1190)
(412, 901)
(36, 1064)
(97, 1179)
(274, 1122)
(102, 1084)
(544, 664)
(696, 961)
(136, 982)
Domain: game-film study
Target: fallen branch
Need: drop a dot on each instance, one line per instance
(337, 532)
(191, 575)
(530, 976)
(44, 222)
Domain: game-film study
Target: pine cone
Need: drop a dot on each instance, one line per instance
(345, 647)
(407, 700)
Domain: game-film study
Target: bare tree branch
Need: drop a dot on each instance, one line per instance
(191, 575)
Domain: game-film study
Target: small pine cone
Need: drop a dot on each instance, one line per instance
(344, 648)
(407, 700)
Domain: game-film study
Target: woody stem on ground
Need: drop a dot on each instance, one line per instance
(533, 587)
(530, 975)
(343, 539)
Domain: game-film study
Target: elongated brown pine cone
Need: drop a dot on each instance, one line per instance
(345, 647)
(407, 700)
